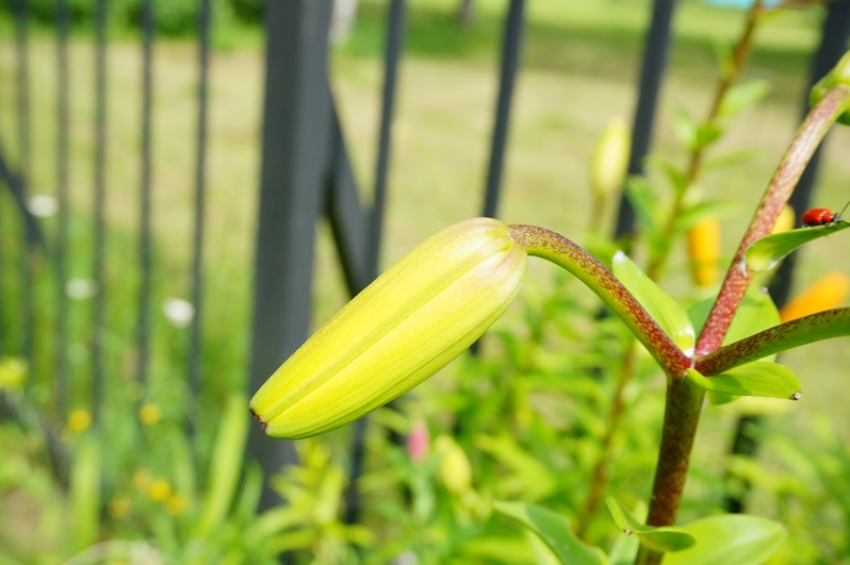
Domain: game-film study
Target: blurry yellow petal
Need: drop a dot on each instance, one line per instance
(785, 221)
(79, 421)
(160, 490)
(149, 414)
(409, 323)
(13, 372)
(704, 251)
(829, 292)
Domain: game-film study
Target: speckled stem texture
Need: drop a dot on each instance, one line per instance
(802, 331)
(554, 247)
(738, 278)
(681, 416)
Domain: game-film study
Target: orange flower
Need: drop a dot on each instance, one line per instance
(829, 292)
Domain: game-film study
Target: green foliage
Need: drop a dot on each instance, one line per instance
(765, 254)
(555, 532)
(667, 539)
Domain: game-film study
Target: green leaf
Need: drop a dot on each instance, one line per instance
(767, 252)
(817, 327)
(728, 159)
(742, 96)
(761, 378)
(756, 313)
(674, 174)
(686, 128)
(692, 214)
(660, 305)
(708, 133)
(731, 539)
(666, 538)
(555, 532)
(225, 464)
(85, 491)
(645, 203)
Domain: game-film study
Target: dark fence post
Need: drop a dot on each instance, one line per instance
(296, 139)
(511, 57)
(654, 64)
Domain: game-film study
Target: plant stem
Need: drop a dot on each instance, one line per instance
(728, 78)
(681, 416)
(808, 137)
(546, 244)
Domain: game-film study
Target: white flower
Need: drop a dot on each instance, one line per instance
(42, 206)
(178, 311)
(80, 289)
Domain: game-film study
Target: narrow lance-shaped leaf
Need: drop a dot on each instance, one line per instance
(660, 305)
(731, 539)
(762, 378)
(768, 251)
(555, 532)
(665, 538)
(802, 331)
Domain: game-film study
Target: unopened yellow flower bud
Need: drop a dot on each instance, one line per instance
(704, 251)
(414, 319)
(79, 420)
(610, 159)
(829, 292)
(454, 471)
(785, 221)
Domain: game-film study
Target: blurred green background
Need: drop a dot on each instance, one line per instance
(581, 62)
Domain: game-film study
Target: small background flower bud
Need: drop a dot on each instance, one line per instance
(455, 471)
(704, 251)
(417, 442)
(610, 159)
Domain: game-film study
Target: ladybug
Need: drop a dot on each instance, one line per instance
(822, 216)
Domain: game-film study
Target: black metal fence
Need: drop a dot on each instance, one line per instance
(306, 173)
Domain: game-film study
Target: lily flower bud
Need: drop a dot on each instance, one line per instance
(704, 251)
(409, 323)
(610, 159)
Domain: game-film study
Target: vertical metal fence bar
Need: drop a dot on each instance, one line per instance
(297, 126)
(25, 168)
(145, 243)
(99, 243)
(61, 244)
(511, 57)
(395, 40)
(396, 17)
(834, 35)
(654, 64)
(200, 193)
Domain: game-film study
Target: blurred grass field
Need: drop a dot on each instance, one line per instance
(581, 64)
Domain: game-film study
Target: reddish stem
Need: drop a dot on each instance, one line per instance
(738, 277)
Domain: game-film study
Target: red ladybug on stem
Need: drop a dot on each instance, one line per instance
(822, 216)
